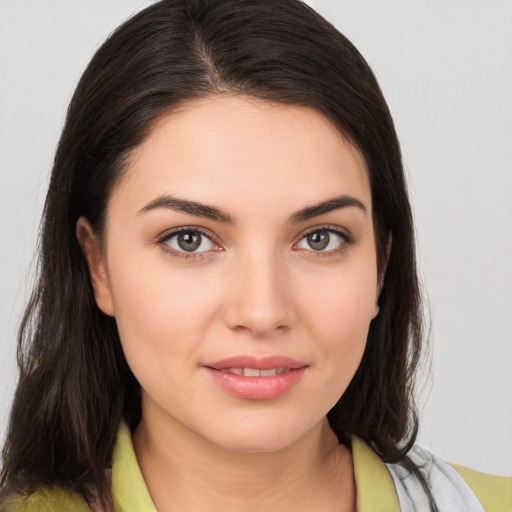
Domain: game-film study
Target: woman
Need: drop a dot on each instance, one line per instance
(228, 311)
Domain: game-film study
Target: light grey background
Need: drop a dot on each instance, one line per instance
(446, 70)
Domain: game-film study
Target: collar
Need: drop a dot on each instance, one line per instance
(375, 489)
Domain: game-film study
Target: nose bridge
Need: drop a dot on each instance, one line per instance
(260, 299)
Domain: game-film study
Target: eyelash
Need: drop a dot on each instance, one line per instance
(347, 241)
(192, 256)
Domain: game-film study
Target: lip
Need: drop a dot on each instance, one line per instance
(261, 363)
(256, 388)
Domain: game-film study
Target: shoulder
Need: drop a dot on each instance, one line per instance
(454, 488)
(46, 499)
(493, 492)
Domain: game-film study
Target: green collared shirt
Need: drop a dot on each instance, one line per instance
(375, 487)
(375, 490)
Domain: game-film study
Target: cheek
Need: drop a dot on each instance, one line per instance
(160, 314)
(342, 304)
(338, 317)
(341, 330)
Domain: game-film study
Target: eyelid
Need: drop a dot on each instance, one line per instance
(327, 227)
(174, 231)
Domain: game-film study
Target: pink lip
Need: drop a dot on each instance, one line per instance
(256, 388)
(261, 363)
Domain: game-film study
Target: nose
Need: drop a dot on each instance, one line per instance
(260, 297)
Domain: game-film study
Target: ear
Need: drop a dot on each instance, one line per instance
(91, 249)
(380, 280)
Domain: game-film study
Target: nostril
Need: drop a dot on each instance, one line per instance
(259, 299)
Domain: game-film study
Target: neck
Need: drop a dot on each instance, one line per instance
(191, 473)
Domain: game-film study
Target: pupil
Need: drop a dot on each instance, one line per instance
(189, 241)
(318, 240)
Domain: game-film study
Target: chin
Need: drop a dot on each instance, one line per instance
(258, 436)
(260, 444)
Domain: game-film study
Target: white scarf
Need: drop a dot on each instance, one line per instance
(449, 489)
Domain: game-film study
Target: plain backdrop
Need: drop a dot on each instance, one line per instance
(446, 71)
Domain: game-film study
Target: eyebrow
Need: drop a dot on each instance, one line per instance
(190, 207)
(211, 212)
(336, 203)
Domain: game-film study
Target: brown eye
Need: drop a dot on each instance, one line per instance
(324, 240)
(190, 241)
(318, 240)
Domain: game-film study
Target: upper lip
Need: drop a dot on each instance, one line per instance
(260, 363)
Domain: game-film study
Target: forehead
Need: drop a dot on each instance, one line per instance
(222, 148)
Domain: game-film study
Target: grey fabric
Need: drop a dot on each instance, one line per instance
(451, 492)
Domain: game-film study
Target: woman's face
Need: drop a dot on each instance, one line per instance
(240, 265)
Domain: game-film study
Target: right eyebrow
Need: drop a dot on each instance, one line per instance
(335, 203)
(190, 207)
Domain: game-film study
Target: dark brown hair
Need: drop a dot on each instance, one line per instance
(75, 385)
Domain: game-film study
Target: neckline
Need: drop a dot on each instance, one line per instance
(375, 488)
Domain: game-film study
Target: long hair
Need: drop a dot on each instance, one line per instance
(75, 386)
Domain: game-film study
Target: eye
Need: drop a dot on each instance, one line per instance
(189, 241)
(324, 240)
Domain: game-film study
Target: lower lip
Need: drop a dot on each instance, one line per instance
(256, 388)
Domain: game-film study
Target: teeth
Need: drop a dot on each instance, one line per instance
(252, 372)
(255, 372)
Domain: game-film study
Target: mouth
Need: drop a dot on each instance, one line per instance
(254, 372)
(255, 378)
(254, 366)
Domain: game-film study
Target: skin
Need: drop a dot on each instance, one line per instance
(258, 288)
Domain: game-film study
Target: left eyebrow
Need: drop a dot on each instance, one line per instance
(324, 207)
